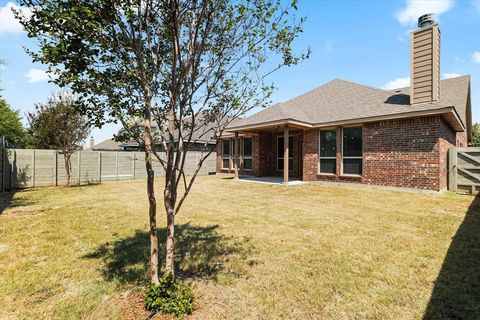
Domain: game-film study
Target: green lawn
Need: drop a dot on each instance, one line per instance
(251, 251)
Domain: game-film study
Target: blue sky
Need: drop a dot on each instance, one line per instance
(361, 41)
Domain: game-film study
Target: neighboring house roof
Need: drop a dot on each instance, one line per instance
(341, 101)
(107, 145)
(203, 134)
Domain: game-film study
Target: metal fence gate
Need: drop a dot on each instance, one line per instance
(464, 170)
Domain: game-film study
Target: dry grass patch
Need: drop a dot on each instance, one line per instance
(250, 250)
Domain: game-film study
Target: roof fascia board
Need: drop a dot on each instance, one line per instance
(393, 116)
(261, 125)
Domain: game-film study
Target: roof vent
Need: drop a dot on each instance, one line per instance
(426, 20)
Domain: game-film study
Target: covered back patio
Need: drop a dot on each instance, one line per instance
(276, 151)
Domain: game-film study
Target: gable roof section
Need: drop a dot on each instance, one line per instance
(341, 101)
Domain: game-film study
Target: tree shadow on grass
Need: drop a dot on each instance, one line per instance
(16, 178)
(456, 294)
(8, 200)
(200, 253)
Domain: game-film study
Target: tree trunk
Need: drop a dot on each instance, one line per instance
(152, 213)
(152, 202)
(68, 167)
(169, 261)
(170, 194)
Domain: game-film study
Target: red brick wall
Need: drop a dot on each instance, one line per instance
(266, 157)
(255, 154)
(310, 155)
(403, 153)
(408, 153)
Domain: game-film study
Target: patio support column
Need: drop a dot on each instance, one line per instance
(285, 155)
(236, 164)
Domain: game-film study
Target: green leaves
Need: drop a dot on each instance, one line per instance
(58, 124)
(169, 296)
(112, 52)
(11, 126)
(476, 135)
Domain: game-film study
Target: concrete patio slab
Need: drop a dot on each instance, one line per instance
(271, 180)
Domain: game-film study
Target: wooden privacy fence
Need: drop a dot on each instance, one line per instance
(24, 168)
(464, 170)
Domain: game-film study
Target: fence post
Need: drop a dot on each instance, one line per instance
(13, 169)
(55, 165)
(33, 168)
(133, 165)
(99, 166)
(116, 165)
(2, 167)
(78, 164)
(452, 169)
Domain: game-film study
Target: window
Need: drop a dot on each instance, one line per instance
(247, 153)
(280, 151)
(352, 150)
(328, 151)
(226, 154)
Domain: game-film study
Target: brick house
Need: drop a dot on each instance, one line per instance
(344, 131)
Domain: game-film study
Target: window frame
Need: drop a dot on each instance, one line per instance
(228, 156)
(351, 157)
(290, 158)
(334, 129)
(244, 157)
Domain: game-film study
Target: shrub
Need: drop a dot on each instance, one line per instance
(170, 296)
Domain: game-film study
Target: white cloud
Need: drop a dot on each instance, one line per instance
(8, 23)
(37, 75)
(415, 8)
(397, 83)
(447, 75)
(476, 57)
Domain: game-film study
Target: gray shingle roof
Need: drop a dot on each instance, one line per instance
(107, 145)
(341, 100)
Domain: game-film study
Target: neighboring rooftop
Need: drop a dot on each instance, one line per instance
(107, 145)
(342, 101)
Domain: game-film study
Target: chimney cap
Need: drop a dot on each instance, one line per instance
(426, 20)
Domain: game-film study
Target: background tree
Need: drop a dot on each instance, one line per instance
(11, 127)
(59, 124)
(476, 135)
(186, 65)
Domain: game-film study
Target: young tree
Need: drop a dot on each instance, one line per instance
(185, 65)
(11, 127)
(58, 124)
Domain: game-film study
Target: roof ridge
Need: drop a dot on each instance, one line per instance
(302, 96)
(365, 86)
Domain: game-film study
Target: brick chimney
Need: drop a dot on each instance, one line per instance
(425, 61)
